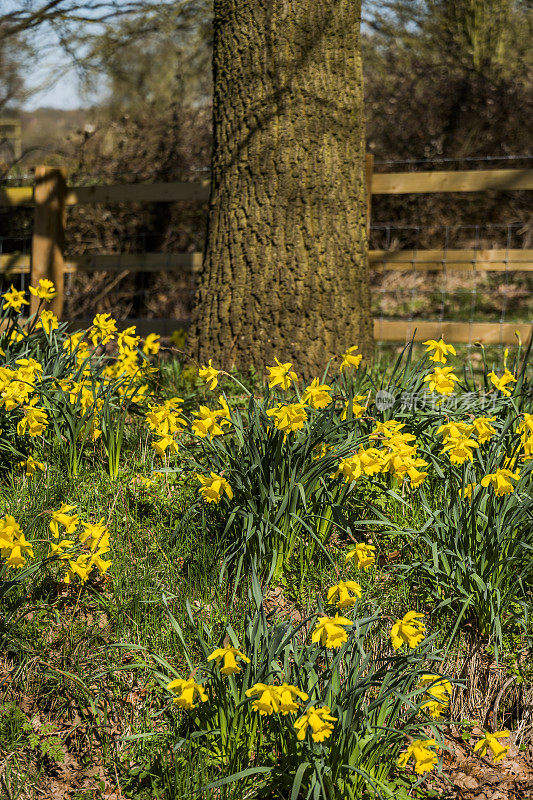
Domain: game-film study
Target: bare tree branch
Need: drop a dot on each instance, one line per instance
(36, 13)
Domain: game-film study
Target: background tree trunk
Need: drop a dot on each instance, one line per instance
(286, 269)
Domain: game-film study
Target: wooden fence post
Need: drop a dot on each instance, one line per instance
(369, 171)
(49, 233)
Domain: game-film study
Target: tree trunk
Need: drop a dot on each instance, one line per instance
(286, 269)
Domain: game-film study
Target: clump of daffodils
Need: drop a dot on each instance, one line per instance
(94, 365)
(14, 547)
(85, 548)
(397, 455)
(299, 709)
(81, 547)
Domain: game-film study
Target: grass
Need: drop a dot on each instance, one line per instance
(80, 712)
(69, 664)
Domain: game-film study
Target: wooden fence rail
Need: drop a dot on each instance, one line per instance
(502, 180)
(387, 260)
(50, 196)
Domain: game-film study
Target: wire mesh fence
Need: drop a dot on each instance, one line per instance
(474, 289)
(405, 286)
(452, 272)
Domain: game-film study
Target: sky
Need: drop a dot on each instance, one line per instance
(57, 77)
(63, 93)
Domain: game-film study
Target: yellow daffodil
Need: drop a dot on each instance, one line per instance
(79, 567)
(13, 544)
(316, 395)
(364, 462)
(455, 430)
(48, 322)
(424, 757)
(288, 418)
(228, 655)
(364, 554)
(399, 454)
(416, 477)
(268, 701)
(210, 375)
(178, 338)
(350, 469)
(387, 429)
(72, 342)
(490, 742)
(281, 375)
(526, 425)
(45, 290)
(83, 566)
(97, 561)
(152, 344)
(95, 536)
(104, 327)
(289, 698)
(500, 480)
(527, 447)
(438, 692)
(501, 383)
(127, 341)
(165, 418)
(466, 494)
(321, 450)
(31, 466)
(319, 720)
(34, 421)
(439, 350)
(208, 423)
(341, 593)
(371, 460)
(330, 631)
(409, 630)
(223, 413)
(460, 450)
(357, 409)
(60, 549)
(163, 444)
(14, 299)
(442, 380)
(63, 517)
(525, 429)
(349, 359)
(213, 487)
(16, 552)
(483, 429)
(186, 692)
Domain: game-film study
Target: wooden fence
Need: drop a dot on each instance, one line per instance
(50, 196)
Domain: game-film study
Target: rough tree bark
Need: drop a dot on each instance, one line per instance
(286, 269)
